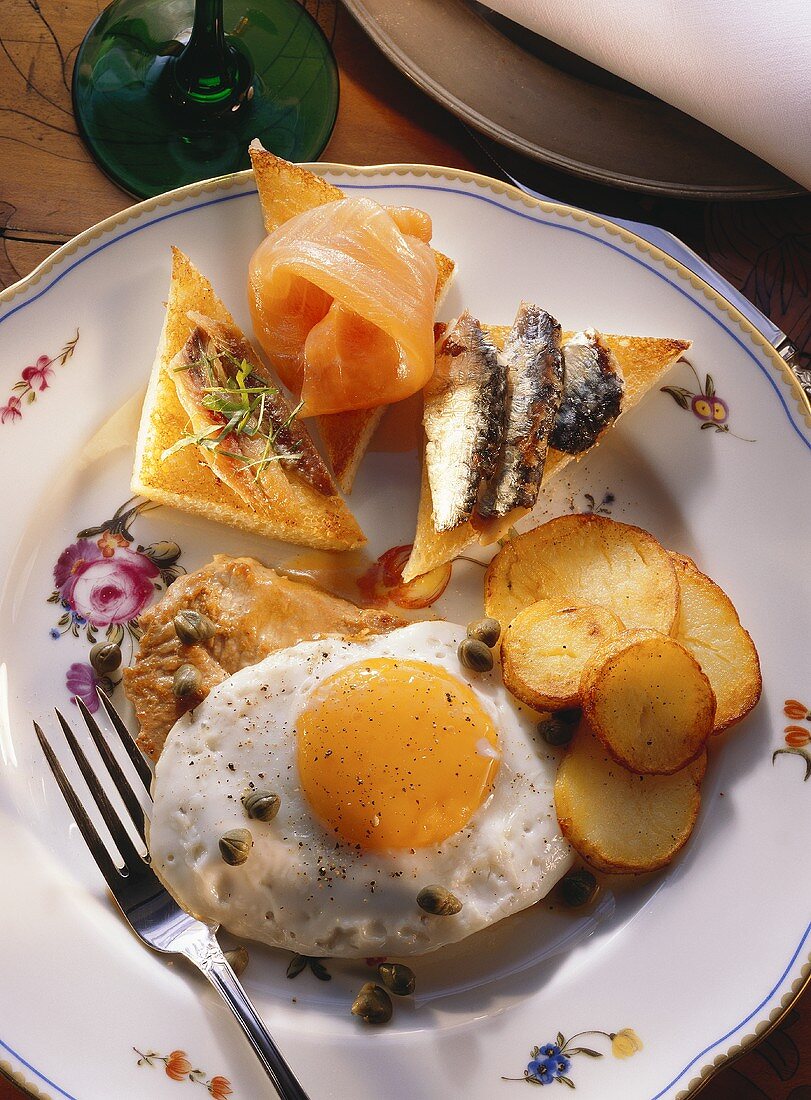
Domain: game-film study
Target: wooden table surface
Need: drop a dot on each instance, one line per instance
(50, 189)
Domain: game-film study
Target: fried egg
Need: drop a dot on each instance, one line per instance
(395, 768)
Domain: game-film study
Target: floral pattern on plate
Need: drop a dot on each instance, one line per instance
(552, 1062)
(177, 1066)
(301, 962)
(704, 403)
(102, 583)
(34, 379)
(602, 507)
(797, 738)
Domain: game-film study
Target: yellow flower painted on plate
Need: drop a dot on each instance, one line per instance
(625, 1043)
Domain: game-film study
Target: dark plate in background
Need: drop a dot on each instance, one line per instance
(555, 107)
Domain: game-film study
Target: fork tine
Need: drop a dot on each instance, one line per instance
(135, 756)
(130, 854)
(113, 767)
(86, 827)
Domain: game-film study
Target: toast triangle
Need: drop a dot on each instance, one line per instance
(285, 190)
(643, 360)
(185, 479)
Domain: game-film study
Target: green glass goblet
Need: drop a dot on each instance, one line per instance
(167, 92)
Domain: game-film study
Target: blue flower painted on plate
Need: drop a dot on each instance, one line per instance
(542, 1072)
(559, 1065)
(551, 1063)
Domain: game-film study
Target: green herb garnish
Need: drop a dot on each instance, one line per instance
(244, 407)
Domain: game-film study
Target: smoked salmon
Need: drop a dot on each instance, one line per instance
(342, 300)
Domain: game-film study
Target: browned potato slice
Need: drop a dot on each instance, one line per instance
(622, 822)
(708, 625)
(545, 648)
(648, 701)
(585, 559)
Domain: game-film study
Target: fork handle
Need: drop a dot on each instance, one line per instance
(215, 967)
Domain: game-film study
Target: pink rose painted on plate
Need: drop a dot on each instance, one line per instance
(105, 589)
(103, 582)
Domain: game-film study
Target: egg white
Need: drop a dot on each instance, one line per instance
(298, 890)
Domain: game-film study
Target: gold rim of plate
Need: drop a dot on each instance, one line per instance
(226, 183)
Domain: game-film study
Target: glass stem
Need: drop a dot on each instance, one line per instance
(210, 71)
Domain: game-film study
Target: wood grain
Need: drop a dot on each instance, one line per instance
(50, 190)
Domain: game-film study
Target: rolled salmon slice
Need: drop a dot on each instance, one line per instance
(342, 300)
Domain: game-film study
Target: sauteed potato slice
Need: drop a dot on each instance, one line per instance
(648, 701)
(618, 821)
(586, 559)
(708, 626)
(546, 646)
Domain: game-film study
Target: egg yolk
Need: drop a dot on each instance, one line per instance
(395, 754)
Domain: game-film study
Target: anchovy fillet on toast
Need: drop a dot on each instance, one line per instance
(534, 391)
(463, 420)
(593, 388)
(220, 380)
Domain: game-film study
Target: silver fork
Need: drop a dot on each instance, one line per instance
(151, 911)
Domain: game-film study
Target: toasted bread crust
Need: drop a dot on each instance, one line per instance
(643, 360)
(185, 480)
(286, 190)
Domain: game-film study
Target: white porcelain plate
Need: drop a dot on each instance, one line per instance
(690, 963)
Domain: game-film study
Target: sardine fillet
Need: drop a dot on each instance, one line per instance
(534, 390)
(297, 512)
(463, 420)
(234, 460)
(593, 388)
(642, 361)
(291, 436)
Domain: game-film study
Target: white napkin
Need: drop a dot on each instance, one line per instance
(742, 67)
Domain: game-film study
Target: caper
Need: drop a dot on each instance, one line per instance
(373, 1004)
(193, 628)
(475, 655)
(578, 888)
(261, 805)
(105, 657)
(438, 901)
(397, 977)
(558, 729)
(187, 681)
(237, 959)
(235, 846)
(485, 630)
